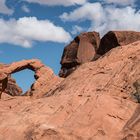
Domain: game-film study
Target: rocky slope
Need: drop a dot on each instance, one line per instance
(98, 101)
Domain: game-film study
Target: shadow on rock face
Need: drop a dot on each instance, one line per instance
(114, 39)
(136, 95)
(132, 128)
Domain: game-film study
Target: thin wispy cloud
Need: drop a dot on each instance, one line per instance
(58, 2)
(25, 9)
(77, 29)
(121, 2)
(4, 8)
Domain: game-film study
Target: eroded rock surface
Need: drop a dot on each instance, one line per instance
(117, 38)
(93, 103)
(82, 49)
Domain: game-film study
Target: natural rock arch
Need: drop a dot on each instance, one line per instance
(44, 76)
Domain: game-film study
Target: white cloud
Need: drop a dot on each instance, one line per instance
(90, 11)
(106, 18)
(4, 9)
(28, 29)
(121, 2)
(58, 2)
(25, 9)
(77, 29)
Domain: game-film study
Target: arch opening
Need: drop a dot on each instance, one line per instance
(24, 79)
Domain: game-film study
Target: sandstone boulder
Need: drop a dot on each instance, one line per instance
(117, 38)
(82, 49)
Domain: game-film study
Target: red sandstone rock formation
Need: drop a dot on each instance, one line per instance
(44, 76)
(117, 38)
(95, 102)
(82, 49)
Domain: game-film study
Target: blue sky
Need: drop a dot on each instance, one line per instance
(42, 28)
